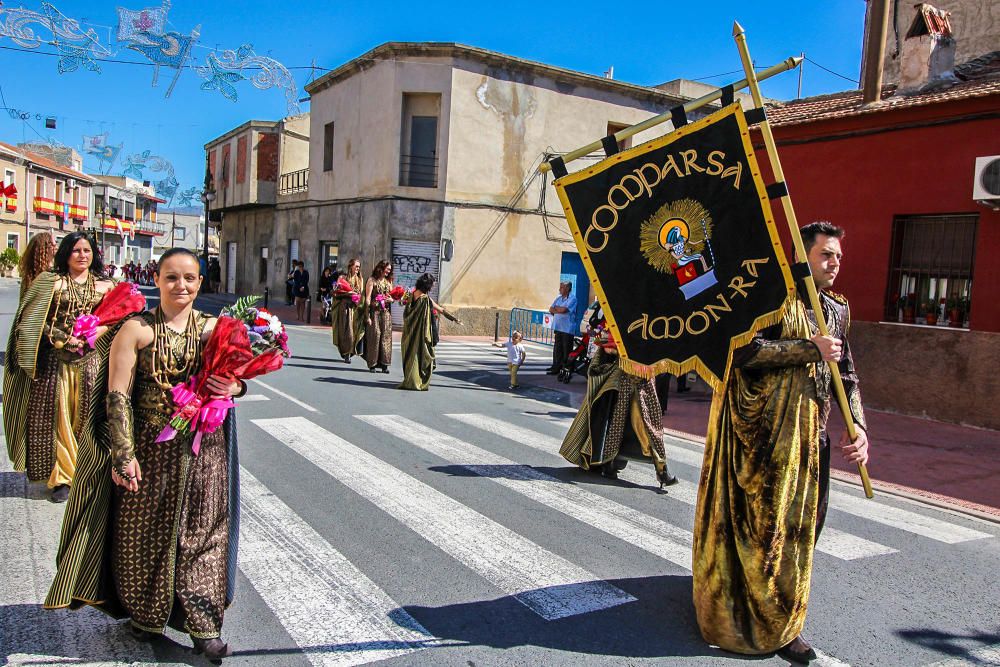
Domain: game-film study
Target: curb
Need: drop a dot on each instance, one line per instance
(954, 505)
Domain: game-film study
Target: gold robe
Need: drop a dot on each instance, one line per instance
(755, 521)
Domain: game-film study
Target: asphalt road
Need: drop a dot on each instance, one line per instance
(442, 528)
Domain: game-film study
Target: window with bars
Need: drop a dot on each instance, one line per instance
(930, 270)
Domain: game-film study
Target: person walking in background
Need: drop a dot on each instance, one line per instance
(515, 357)
(301, 290)
(417, 344)
(324, 294)
(347, 316)
(293, 270)
(378, 319)
(564, 327)
(214, 275)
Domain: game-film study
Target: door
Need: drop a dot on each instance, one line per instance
(410, 260)
(231, 267)
(423, 152)
(328, 253)
(571, 268)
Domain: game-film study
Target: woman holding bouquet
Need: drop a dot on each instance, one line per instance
(162, 550)
(50, 375)
(378, 319)
(418, 336)
(348, 326)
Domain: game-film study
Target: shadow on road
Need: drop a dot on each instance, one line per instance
(960, 646)
(568, 474)
(660, 623)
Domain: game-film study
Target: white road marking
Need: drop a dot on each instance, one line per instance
(980, 657)
(285, 396)
(30, 635)
(911, 522)
(825, 660)
(641, 530)
(252, 398)
(336, 614)
(547, 584)
(832, 542)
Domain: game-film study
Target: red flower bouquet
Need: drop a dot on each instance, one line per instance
(397, 293)
(118, 303)
(343, 289)
(246, 342)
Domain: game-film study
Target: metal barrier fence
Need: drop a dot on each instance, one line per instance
(529, 323)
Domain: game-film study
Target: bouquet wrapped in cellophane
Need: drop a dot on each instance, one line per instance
(247, 342)
(118, 303)
(343, 289)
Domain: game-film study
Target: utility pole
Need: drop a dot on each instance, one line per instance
(173, 228)
(802, 66)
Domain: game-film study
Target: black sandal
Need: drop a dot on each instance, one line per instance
(214, 649)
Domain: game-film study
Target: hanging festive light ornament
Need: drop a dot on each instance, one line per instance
(170, 49)
(228, 67)
(136, 25)
(77, 48)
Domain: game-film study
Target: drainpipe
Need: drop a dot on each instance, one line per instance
(878, 28)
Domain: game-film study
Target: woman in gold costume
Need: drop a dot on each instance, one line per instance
(417, 344)
(348, 326)
(49, 375)
(378, 318)
(162, 551)
(617, 409)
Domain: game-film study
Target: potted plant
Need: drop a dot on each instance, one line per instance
(956, 316)
(908, 304)
(930, 313)
(8, 260)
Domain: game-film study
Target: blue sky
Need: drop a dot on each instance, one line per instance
(647, 43)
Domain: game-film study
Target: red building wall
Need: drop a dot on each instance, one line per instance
(861, 171)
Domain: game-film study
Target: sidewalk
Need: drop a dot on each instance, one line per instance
(954, 466)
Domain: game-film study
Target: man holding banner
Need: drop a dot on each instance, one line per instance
(679, 238)
(765, 481)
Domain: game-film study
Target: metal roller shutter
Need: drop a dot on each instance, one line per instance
(410, 260)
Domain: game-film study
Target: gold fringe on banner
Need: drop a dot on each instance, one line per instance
(648, 372)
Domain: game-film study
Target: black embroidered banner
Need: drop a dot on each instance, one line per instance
(679, 241)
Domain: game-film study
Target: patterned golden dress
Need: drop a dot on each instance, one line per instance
(48, 390)
(378, 346)
(348, 325)
(616, 405)
(171, 541)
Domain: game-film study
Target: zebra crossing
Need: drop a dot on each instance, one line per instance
(452, 355)
(335, 612)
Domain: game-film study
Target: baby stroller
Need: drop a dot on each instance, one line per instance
(584, 348)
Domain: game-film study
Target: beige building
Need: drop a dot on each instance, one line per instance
(13, 212)
(50, 196)
(427, 154)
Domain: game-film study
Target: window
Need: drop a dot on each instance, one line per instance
(930, 270)
(262, 267)
(39, 186)
(625, 143)
(59, 191)
(12, 240)
(418, 162)
(129, 210)
(115, 207)
(328, 147)
(8, 177)
(98, 204)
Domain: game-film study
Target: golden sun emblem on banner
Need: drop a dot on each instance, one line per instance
(676, 235)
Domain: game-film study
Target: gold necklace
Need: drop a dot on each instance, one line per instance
(167, 368)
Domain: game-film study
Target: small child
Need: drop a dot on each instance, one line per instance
(515, 357)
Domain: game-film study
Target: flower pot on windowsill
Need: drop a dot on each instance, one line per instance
(932, 319)
(908, 317)
(955, 317)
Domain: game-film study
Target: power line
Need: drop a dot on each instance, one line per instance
(827, 69)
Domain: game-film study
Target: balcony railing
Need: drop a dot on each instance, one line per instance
(417, 171)
(293, 181)
(156, 228)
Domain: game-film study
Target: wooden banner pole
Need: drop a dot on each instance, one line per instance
(800, 251)
(697, 103)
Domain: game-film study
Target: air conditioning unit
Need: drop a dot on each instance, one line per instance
(71, 183)
(986, 185)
